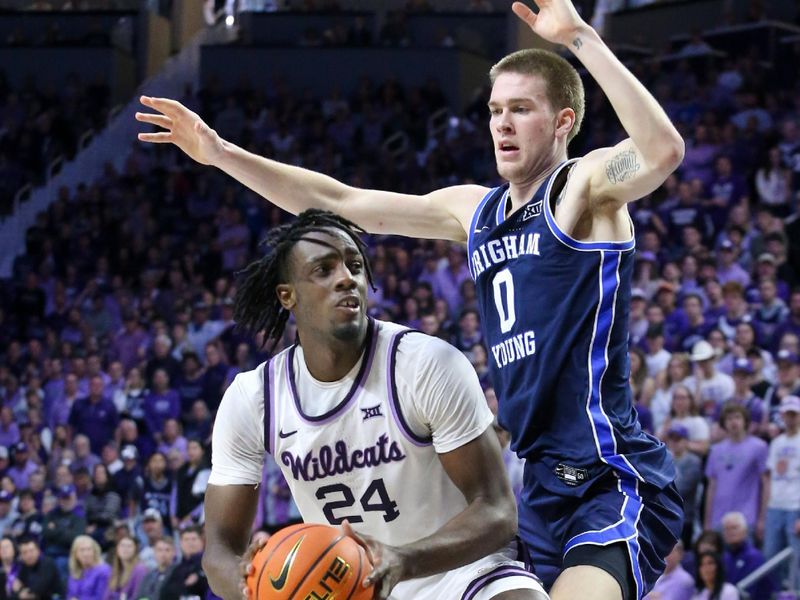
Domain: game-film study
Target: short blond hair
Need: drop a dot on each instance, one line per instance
(564, 85)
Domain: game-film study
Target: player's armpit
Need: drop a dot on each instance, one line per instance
(229, 512)
(622, 173)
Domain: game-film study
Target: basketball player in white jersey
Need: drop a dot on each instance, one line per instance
(372, 424)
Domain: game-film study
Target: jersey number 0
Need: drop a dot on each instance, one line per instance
(504, 301)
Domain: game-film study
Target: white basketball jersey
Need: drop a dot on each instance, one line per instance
(360, 461)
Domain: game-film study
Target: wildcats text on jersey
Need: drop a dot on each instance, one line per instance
(339, 459)
(508, 247)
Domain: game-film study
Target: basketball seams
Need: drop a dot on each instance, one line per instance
(314, 565)
(361, 555)
(274, 550)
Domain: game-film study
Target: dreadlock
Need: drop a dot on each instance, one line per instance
(256, 306)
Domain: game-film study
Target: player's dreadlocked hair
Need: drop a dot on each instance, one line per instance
(256, 306)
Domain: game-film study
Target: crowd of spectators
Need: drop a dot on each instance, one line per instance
(117, 339)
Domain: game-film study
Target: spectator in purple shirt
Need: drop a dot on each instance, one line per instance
(84, 457)
(728, 269)
(9, 431)
(23, 466)
(88, 574)
(161, 403)
(130, 343)
(738, 480)
(741, 557)
(792, 323)
(675, 583)
(58, 411)
(95, 416)
(126, 570)
(172, 438)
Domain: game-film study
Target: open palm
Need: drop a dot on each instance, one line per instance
(556, 21)
(184, 128)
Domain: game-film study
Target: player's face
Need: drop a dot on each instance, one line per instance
(524, 127)
(328, 288)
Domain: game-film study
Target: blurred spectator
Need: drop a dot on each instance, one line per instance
(685, 413)
(162, 359)
(88, 574)
(741, 557)
(128, 481)
(129, 401)
(9, 567)
(157, 487)
(29, 522)
(152, 531)
(102, 506)
(7, 513)
(675, 583)
(689, 477)
(191, 481)
(710, 581)
(61, 526)
(127, 572)
(711, 388)
(773, 183)
(164, 552)
(23, 466)
(737, 474)
(94, 416)
(38, 576)
(160, 404)
(187, 578)
(788, 384)
(782, 527)
(84, 458)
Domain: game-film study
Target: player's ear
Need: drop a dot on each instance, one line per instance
(565, 121)
(286, 295)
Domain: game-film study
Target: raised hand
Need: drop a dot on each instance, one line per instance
(557, 20)
(184, 128)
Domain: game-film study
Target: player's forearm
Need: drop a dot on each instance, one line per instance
(480, 529)
(640, 114)
(291, 188)
(221, 566)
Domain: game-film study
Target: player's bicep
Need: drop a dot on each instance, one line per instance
(442, 214)
(620, 174)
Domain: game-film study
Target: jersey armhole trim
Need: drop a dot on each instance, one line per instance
(571, 242)
(269, 406)
(394, 401)
(476, 216)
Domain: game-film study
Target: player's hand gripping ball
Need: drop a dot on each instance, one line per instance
(310, 562)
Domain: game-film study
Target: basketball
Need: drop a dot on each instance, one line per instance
(310, 561)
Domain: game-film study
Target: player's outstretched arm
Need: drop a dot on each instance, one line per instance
(227, 535)
(444, 213)
(639, 164)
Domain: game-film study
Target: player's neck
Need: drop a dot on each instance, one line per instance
(333, 359)
(521, 192)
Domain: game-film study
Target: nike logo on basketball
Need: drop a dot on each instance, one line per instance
(283, 435)
(277, 584)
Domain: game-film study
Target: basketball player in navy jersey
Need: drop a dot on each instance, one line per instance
(551, 253)
(377, 428)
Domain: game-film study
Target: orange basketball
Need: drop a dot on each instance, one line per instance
(310, 562)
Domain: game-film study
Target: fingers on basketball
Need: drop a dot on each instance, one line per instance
(307, 559)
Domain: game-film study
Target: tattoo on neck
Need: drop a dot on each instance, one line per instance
(577, 42)
(622, 167)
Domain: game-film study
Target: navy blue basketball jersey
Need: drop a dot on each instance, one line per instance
(555, 318)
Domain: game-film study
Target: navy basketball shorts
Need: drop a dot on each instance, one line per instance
(645, 521)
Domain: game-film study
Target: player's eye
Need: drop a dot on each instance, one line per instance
(355, 266)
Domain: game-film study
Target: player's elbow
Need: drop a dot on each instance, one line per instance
(503, 519)
(671, 152)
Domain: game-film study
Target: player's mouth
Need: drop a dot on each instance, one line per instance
(350, 305)
(507, 149)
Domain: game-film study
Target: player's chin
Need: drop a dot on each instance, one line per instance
(350, 327)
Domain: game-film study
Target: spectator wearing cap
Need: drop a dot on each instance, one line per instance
(150, 533)
(792, 323)
(128, 481)
(767, 270)
(61, 526)
(788, 384)
(23, 466)
(88, 573)
(741, 557)
(160, 404)
(782, 527)
(675, 583)
(94, 416)
(728, 269)
(188, 577)
(29, 521)
(38, 576)
(710, 387)
(737, 474)
(8, 514)
(743, 395)
(689, 476)
(657, 358)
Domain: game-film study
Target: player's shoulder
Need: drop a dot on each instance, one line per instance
(248, 383)
(417, 350)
